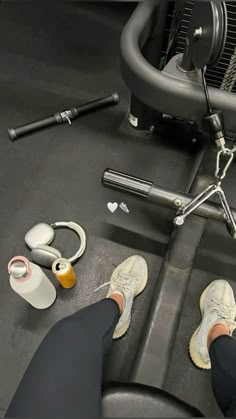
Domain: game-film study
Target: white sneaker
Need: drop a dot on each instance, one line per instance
(217, 306)
(129, 279)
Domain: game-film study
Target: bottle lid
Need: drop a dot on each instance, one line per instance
(19, 267)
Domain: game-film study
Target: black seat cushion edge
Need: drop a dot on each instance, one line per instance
(138, 400)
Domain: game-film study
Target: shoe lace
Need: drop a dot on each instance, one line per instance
(222, 310)
(122, 280)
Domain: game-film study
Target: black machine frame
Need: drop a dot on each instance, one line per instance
(180, 94)
(170, 91)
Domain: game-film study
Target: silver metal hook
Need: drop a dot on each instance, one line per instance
(218, 169)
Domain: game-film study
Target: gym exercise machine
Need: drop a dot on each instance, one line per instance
(176, 85)
(180, 90)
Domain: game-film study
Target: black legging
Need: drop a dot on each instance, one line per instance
(64, 377)
(223, 373)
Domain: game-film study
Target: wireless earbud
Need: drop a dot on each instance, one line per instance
(43, 234)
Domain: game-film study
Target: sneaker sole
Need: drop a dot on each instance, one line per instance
(123, 330)
(192, 344)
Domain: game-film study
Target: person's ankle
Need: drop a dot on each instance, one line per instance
(216, 331)
(119, 299)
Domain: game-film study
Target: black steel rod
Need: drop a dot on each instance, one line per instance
(168, 299)
(64, 116)
(153, 193)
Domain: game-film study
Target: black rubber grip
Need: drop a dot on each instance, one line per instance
(31, 127)
(97, 104)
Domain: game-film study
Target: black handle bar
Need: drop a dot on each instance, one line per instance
(64, 116)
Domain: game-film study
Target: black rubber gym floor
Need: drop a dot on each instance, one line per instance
(53, 58)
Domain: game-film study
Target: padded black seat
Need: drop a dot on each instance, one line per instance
(136, 400)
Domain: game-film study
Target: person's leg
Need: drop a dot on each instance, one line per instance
(222, 349)
(64, 377)
(212, 346)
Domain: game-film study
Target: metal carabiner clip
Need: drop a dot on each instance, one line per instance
(218, 169)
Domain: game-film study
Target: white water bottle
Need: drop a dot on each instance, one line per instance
(30, 282)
